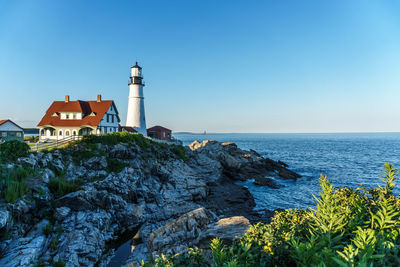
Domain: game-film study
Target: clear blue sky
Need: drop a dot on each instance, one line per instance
(220, 66)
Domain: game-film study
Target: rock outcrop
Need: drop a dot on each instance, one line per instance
(174, 203)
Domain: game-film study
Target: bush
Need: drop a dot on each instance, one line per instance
(48, 229)
(59, 186)
(116, 138)
(11, 150)
(180, 152)
(115, 165)
(348, 227)
(59, 263)
(12, 183)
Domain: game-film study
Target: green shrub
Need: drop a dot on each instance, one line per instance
(53, 244)
(116, 138)
(12, 183)
(348, 227)
(115, 165)
(59, 186)
(11, 150)
(59, 263)
(48, 229)
(180, 152)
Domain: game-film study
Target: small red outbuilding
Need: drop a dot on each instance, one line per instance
(159, 132)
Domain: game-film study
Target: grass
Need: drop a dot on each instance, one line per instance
(13, 183)
(115, 165)
(59, 186)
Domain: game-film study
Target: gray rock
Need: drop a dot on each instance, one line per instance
(226, 229)
(4, 218)
(96, 163)
(266, 182)
(62, 213)
(29, 161)
(178, 235)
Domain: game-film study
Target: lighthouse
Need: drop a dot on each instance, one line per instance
(136, 117)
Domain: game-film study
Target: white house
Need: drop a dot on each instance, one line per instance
(76, 118)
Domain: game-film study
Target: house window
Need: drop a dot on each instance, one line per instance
(74, 116)
(60, 133)
(66, 133)
(112, 117)
(74, 132)
(67, 116)
(4, 134)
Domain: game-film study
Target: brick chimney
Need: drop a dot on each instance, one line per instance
(66, 98)
(98, 98)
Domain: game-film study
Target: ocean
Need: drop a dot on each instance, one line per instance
(348, 159)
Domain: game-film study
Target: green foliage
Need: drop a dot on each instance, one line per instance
(115, 165)
(347, 227)
(86, 151)
(48, 229)
(116, 138)
(53, 244)
(12, 183)
(59, 263)
(59, 186)
(180, 152)
(11, 150)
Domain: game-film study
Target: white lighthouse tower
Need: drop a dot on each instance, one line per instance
(135, 117)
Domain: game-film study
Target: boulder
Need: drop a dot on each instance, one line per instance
(4, 218)
(96, 163)
(266, 182)
(178, 235)
(62, 213)
(226, 229)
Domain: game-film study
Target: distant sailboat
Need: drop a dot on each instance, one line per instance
(205, 132)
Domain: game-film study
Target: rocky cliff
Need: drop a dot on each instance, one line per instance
(170, 200)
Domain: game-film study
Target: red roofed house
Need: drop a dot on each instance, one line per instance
(77, 118)
(159, 132)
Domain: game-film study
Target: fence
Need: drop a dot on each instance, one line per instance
(54, 144)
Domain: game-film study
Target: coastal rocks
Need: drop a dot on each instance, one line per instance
(29, 161)
(195, 229)
(226, 229)
(96, 163)
(178, 235)
(151, 192)
(26, 250)
(62, 213)
(267, 182)
(238, 164)
(84, 237)
(4, 218)
(124, 151)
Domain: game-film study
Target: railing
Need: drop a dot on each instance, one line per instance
(54, 144)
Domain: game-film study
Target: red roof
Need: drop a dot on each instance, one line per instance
(84, 107)
(3, 121)
(158, 129)
(127, 128)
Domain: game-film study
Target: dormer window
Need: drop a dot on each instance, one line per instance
(54, 114)
(67, 116)
(92, 114)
